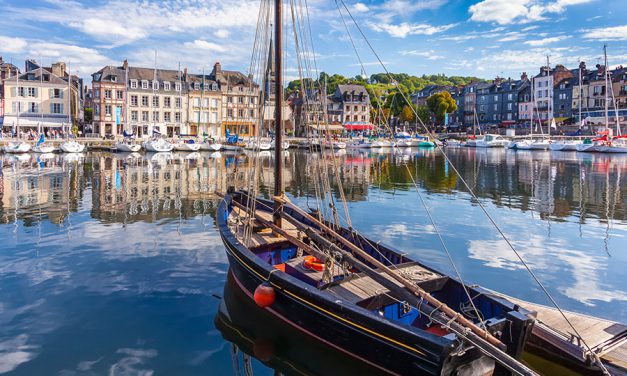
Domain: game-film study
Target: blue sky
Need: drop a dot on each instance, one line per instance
(456, 37)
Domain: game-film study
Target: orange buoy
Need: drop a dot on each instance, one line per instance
(264, 295)
(312, 263)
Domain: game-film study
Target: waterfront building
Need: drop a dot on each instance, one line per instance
(7, 70)
(619, 87)
(109, 101)
(525, 105)
(508, 93)
(562, 108)
(240, 101)
(350, 106)
(456, 118)
(485, 102)
(470, 103)
(42, 99)
(308, 110)
(204, 105)
(157, 102)
(544, 89)
(420, 98)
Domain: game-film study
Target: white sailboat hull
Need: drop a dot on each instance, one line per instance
(127, 148)
(158, 146)
(17, 148)
(72, 147)
(43, 149)
(213, 146)
(182, 146)
(564, 145)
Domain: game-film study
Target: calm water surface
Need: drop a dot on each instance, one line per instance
(112, 263)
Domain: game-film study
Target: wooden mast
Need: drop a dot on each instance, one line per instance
(278, 112)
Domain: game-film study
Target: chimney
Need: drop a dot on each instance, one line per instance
(125, 64)
(523, 76)
(185, 74)
(217, 68)
(58, 69)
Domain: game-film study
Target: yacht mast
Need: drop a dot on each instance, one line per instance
(69, 99)
(607, 120)
(549, 108)
(580, 94)
(278, 114)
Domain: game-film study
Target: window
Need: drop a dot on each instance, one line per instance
(214, 103)
(240, 113)
(107, 94)
(229, 99)
(56, 108)
(32, 107)
(55, 93)
(134, 115)
(229, 113)
(145, 116)
(482, 98)
(363, 108)
(145, 100)
(562, 96)
(510, 97)
(155, 85)
(134, 100)
(177, 102)
(144, 84)
(240, 99)
(496, 107)
(197, 116)
(107, 110)
(494, 117)
(348, 108)
(251, 113)
(177, 117)
(167, 102)
(97, 93)
(509, 106)
(196, 102)
(166, 86)
(214, 116)
(133, 84)
(205, 102)
(120, 94)
(496, 98)
(205, 117)
(155, 101)
(155, 116)
(252, 100)
(196, 86)
(32, 91)
(166, 117)
(96, 110)
(356, 108)
(509, 116)
(177, 86)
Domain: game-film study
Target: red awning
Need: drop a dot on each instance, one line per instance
(358, 126)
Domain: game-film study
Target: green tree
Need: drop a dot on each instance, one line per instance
(89, 115)
(423, 114)
(440, 104)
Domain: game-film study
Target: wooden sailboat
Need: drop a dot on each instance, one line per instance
(358, 296)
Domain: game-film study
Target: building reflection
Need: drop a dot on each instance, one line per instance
(120, 188)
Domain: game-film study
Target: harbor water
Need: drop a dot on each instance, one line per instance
(112, 264)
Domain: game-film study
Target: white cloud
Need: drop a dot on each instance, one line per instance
(204, 45)
(429, 55)
(12, 45)
(511, 36)
(360, 8)
(545, 41)
(460, 38)
(222, 33)
(506, 12)
(607, 33)
(404, 29)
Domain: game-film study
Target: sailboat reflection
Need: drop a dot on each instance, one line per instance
(254, 332)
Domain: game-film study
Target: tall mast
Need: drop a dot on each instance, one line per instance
(19, 103)
(278, 113)
(69, 100)
(607, 120)
(40, 93)
(580, 95)
(180, 108)
(126, 114)
(152, 100)
(549, 108)
(533, 102)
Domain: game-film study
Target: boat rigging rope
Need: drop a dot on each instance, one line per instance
(481, 205)
(422, 200)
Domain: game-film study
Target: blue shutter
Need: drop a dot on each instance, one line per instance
(61, 94)
(52, 108)
(61, 108)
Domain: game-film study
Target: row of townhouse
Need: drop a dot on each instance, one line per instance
(43, 98)
(554, 93)
(147, 101)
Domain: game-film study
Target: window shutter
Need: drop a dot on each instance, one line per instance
(61, 94)
(51, 108)
(14, 92)
(61, 107)
(36, 92)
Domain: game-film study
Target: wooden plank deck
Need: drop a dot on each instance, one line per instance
(606, 338)
(264, 236)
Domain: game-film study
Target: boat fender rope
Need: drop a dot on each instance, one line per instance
(270, 274)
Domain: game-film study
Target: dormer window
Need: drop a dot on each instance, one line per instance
(144, 84)
(196, 86)
(166, 86)
(177, 86)
(114, 78)
(155, 85)
(214, 87)
(133, 84)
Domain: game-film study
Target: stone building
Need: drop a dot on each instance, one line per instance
(204, 105)
(353, 102)
(42, 98)
(109, 101)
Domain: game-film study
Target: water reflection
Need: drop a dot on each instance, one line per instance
(122, 247)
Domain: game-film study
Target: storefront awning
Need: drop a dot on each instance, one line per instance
(11, 121)
(358, 126)
(561, 119)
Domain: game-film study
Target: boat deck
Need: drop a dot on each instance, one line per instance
(607, 338)
(261, 236)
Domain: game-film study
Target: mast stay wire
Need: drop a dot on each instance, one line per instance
(422, 199)
(480, 203)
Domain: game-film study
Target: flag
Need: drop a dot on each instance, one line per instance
(118, 115)
(583, 123)
(446, 118)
